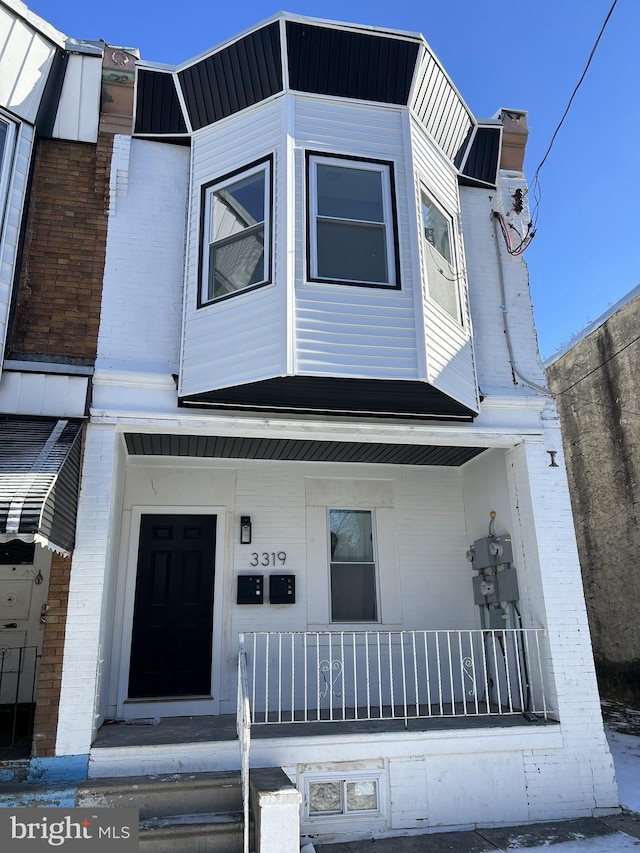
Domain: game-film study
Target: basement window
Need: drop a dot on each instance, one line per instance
(342, 797)
(352, 222)
(236, 238)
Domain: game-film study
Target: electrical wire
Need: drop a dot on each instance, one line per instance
(524, 241)
(535, 184)
(598, 366)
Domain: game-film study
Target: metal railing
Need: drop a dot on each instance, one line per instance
(243, 728)
(18, 678)
(375, 675)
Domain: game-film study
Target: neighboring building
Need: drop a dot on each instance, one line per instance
(307, 405)
(55, 155)
(595, 380)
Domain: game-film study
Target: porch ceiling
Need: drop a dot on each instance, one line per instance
(301, 450)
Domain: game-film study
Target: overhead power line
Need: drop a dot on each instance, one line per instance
(535, 184)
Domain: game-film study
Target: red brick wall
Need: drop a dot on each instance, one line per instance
(50, 675)
(58, 307)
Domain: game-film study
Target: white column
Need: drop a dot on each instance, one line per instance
(87, 593)
(581, 779)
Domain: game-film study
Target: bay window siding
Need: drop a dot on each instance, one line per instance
(447, 332)
(235, 331)
(343, 329)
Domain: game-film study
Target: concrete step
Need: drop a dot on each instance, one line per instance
(163, 795)
(193, 833)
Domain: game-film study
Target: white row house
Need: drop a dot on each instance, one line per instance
(317, 488)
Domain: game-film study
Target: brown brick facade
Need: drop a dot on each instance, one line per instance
(58, 306)
(50, 674)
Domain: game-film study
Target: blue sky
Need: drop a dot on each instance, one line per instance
(526, 56)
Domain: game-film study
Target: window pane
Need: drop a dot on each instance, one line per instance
(353, 592)
(436, 228)
(443, 286)
(352, 252)
(238, 206)
(351, 536)
(236, 264)
(362, 796)
(347, 193)
(325, 797)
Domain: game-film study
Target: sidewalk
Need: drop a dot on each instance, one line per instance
(617, 832)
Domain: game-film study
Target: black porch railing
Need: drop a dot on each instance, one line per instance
(18, 680)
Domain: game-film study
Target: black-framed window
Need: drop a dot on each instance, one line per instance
(441, 269)
(352, 566)
(352, 229)
(236, 232)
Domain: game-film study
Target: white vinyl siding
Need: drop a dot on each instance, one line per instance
(25, 61)
(450, 358)
(13, 183)
(78, 111)
(242, 339)
(346, 330)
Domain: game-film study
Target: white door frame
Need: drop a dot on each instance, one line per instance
(133, 709)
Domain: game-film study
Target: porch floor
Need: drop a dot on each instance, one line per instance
(172, 730)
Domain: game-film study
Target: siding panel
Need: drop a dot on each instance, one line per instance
(78, 112)
(435, 100)
(13, 218)
(450, 359)
(344, 330)
(25, 61)
(241, 339)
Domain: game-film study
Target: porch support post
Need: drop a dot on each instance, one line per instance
(275, 803)
(552, 595)
(88, 594)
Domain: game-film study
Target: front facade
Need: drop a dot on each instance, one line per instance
(306, 410)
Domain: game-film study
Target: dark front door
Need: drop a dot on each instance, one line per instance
(172, 637)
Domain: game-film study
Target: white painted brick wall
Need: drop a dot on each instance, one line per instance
(492, 361)
(87, 594)
(144, 266)
(580, 777)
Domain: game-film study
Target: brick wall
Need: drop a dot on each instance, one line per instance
(50, 674)
(58, 307)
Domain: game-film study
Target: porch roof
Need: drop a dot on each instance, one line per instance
(302, 450)
(39, 476)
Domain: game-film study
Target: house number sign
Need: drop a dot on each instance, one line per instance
(268, 558)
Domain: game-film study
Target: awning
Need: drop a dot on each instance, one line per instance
(39, 477)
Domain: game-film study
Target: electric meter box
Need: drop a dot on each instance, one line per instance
(491, 551)
(494, 588)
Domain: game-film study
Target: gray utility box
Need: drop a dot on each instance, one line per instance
(491, 551)
(494, 588)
